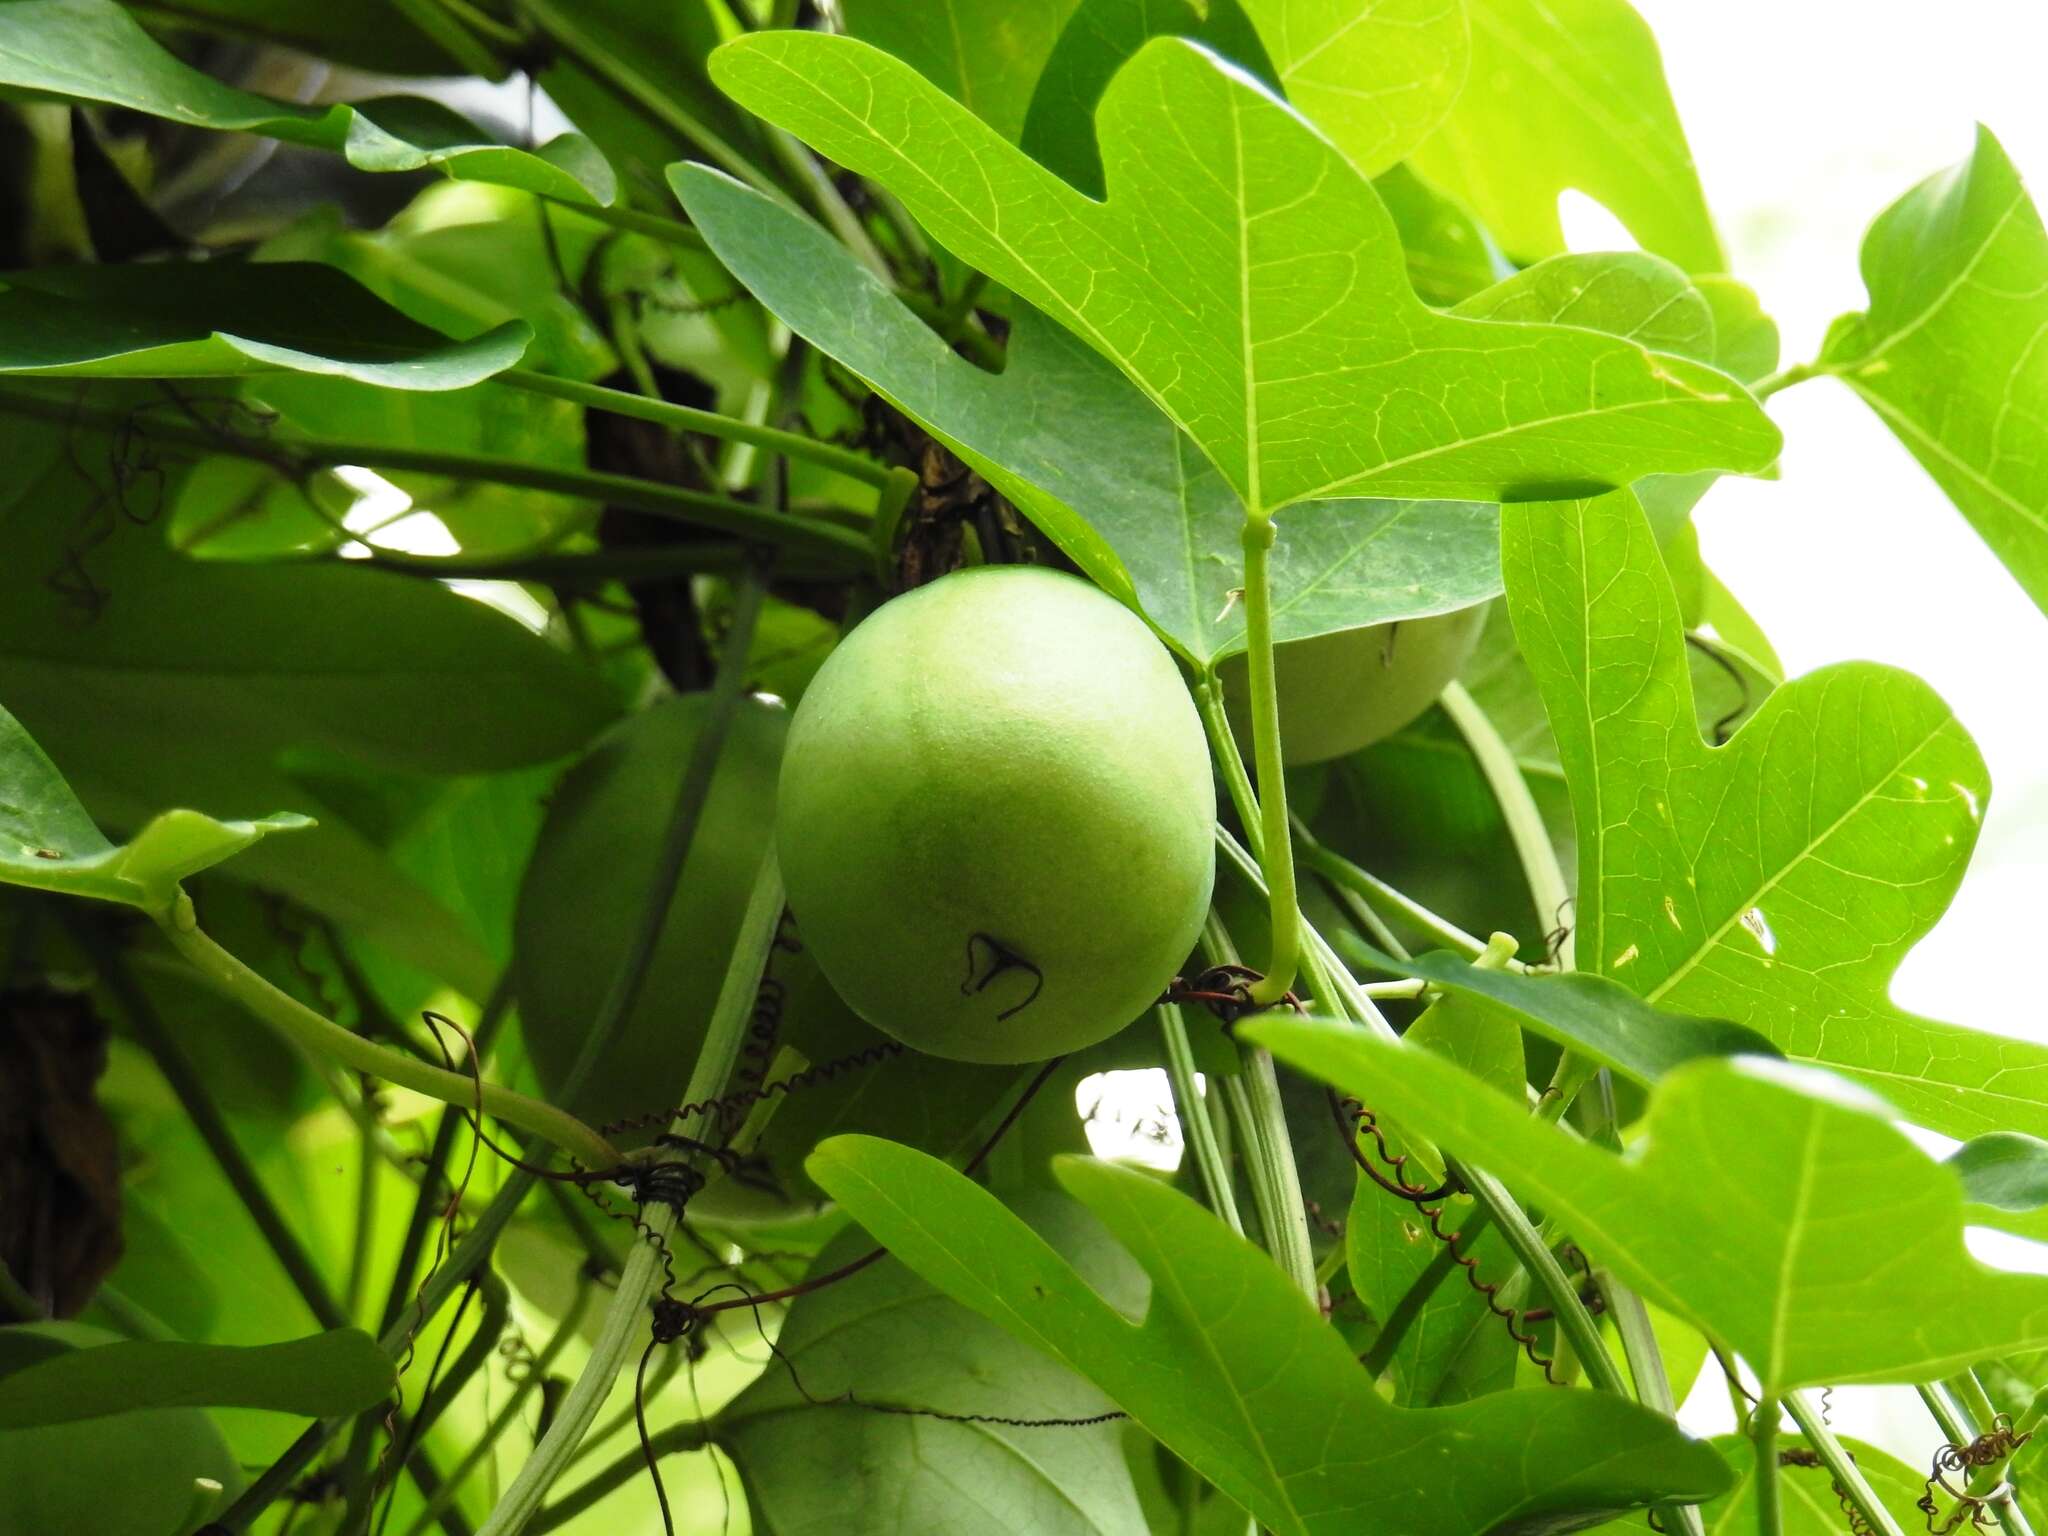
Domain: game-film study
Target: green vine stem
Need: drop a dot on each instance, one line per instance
(1344, 874)
(621, 1471)
(1253, 1096)
(1275, 849)
(1192, 1108)
(1840, 1464)
(839, 549)
(1540, 867)
(1763, 1439)
(633, 221)
(310, 1031)
(1330, 981)
(641, 1277)
(684, 418)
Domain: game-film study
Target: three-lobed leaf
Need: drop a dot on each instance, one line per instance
(1779, 880)
(1244, 275)
(1949, 353)
(1778, 1209)
(1094, 463)
(95, 51)
(1236, 1372)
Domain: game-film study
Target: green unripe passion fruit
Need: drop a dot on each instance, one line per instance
(1342, 692)
(124, 1474)
(580, 900)
(995, 816)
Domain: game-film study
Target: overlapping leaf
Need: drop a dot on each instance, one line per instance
(1092, 462)
(215, 319)
(158, 681)
(1246, 277)
(1236, 1372)
(1779, 880)
(94, 51)
(1588, 1014)
(834, 1437)
(1375, 78)
(1570, 94)
(1951, 351)
(1778, 1209)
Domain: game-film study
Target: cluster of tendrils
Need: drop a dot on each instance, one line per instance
(674, 1320)
(1987, 1450)
(1226, 991)
(1354, 1119)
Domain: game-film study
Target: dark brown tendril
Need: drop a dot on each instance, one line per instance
(674, 1319)
(1988, 1449)
(1806, 1456)
(1001, 960)
(1352, 1117)
(1226, 991)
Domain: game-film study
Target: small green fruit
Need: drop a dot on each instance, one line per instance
(1342, 692)
(996, 815)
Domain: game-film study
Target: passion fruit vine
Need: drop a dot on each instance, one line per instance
(995, 816)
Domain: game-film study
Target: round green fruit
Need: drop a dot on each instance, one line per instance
(1342, 692)
(996, 815)
(124, 1474)
(580, 901)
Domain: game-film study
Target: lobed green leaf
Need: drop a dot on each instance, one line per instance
(1239, 1375)
(1246, 277)
(1775, 1207)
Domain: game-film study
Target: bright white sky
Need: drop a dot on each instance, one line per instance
(1807, 117)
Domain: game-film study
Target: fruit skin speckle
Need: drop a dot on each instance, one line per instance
(996, 816)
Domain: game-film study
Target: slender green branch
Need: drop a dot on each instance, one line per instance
(1763, 1440)
(206, 1118)
(840, 548)
(369, 1181)
(1254, 1099)
(1342, 872)
(1276, 849)
(1848, 1477)
(686, 418)
(1548, 888)
(642, 1274)
(1230, 763)
(594, 568)
(627, 1466)
(618, 216)
(1199, 1129)
(303, 1027)
(508, 1414)
(1785, 378)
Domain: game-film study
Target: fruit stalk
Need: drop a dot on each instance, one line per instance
(1276, 849)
